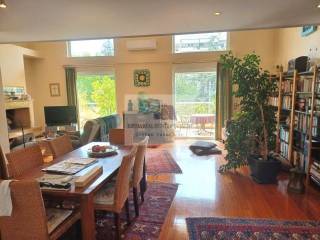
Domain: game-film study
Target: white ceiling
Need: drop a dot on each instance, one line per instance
(38, 20)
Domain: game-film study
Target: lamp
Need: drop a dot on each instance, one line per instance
(3, 4)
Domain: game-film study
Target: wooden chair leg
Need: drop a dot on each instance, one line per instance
(142, 195)
(128, 211)
(136, 201)
(117, 224)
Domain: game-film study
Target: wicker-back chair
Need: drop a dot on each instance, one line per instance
(138, 172)
(4, 174)
(29, 216)
(23, 160)
(114, 196)
(60, 146)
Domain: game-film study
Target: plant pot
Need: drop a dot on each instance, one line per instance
(264, 171)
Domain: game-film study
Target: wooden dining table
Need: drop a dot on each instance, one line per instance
(85, 195)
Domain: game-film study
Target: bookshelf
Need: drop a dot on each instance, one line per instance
(298, 122)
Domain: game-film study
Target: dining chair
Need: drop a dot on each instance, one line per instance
(120, 136)
(114, 196)
(60, 146)
(23, 160)
(138, 173)
(4, 174)
(29, 218)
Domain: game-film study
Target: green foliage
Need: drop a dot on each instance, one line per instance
(195, 93)
(96, 96)
(252, 130)
(104, 95)
(195, 86)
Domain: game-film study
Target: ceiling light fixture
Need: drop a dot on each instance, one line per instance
(3, 4)
(217, 13)
(318, 6)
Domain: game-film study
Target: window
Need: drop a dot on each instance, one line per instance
(96, 95)
(91, 48)
(202, 42)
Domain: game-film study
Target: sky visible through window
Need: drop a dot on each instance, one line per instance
(202, 42)
(91, 48)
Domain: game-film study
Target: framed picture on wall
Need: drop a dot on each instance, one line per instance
(54, 89)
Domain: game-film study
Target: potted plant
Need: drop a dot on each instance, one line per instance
(250, 132)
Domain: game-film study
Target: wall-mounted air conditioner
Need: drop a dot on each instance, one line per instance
(141, 44)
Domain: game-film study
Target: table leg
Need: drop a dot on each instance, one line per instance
(88, 225)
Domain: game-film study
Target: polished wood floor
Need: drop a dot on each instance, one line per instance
(205, 192)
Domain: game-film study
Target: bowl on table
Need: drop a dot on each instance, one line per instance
(100, 151)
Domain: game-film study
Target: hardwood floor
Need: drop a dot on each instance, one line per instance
(205, 192)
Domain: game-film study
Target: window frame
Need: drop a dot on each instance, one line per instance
(199, 52)
(68, 49)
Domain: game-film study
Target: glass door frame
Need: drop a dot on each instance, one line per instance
(195, 67)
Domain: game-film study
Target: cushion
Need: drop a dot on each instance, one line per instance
(202, 145)
(206, 152)
(55, 217)
(105, 195)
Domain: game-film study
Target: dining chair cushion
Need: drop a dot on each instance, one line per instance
(105, 196)
(55, 217)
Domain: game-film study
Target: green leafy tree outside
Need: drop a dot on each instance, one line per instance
(96, 96)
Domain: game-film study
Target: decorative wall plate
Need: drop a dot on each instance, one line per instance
(142, 78)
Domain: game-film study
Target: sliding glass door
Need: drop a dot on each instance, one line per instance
(195, 100)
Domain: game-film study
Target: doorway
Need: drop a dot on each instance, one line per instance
(96, 93)
(195, 101)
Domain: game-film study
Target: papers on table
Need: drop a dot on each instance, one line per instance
(81, 161)
(70, 166)
(55, 182)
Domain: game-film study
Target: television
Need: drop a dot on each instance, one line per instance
(60, 115)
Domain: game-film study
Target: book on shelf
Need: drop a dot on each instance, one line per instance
(286, 102)
(284, 150)
(317, 104)
(302, 124)
(287, 86)
(284, 134)
(304, 84)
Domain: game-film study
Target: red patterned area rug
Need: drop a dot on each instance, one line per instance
(153, 212)
(161, 161)
(244, 228)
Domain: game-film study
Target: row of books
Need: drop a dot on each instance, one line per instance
(287, 86)
(304, 85)
(317, 104)
(315, 172)
(286, 102)
(302, 123)
(284, 134)
(284, 150)
(273, 101)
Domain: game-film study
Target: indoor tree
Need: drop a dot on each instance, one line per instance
(251, 131)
